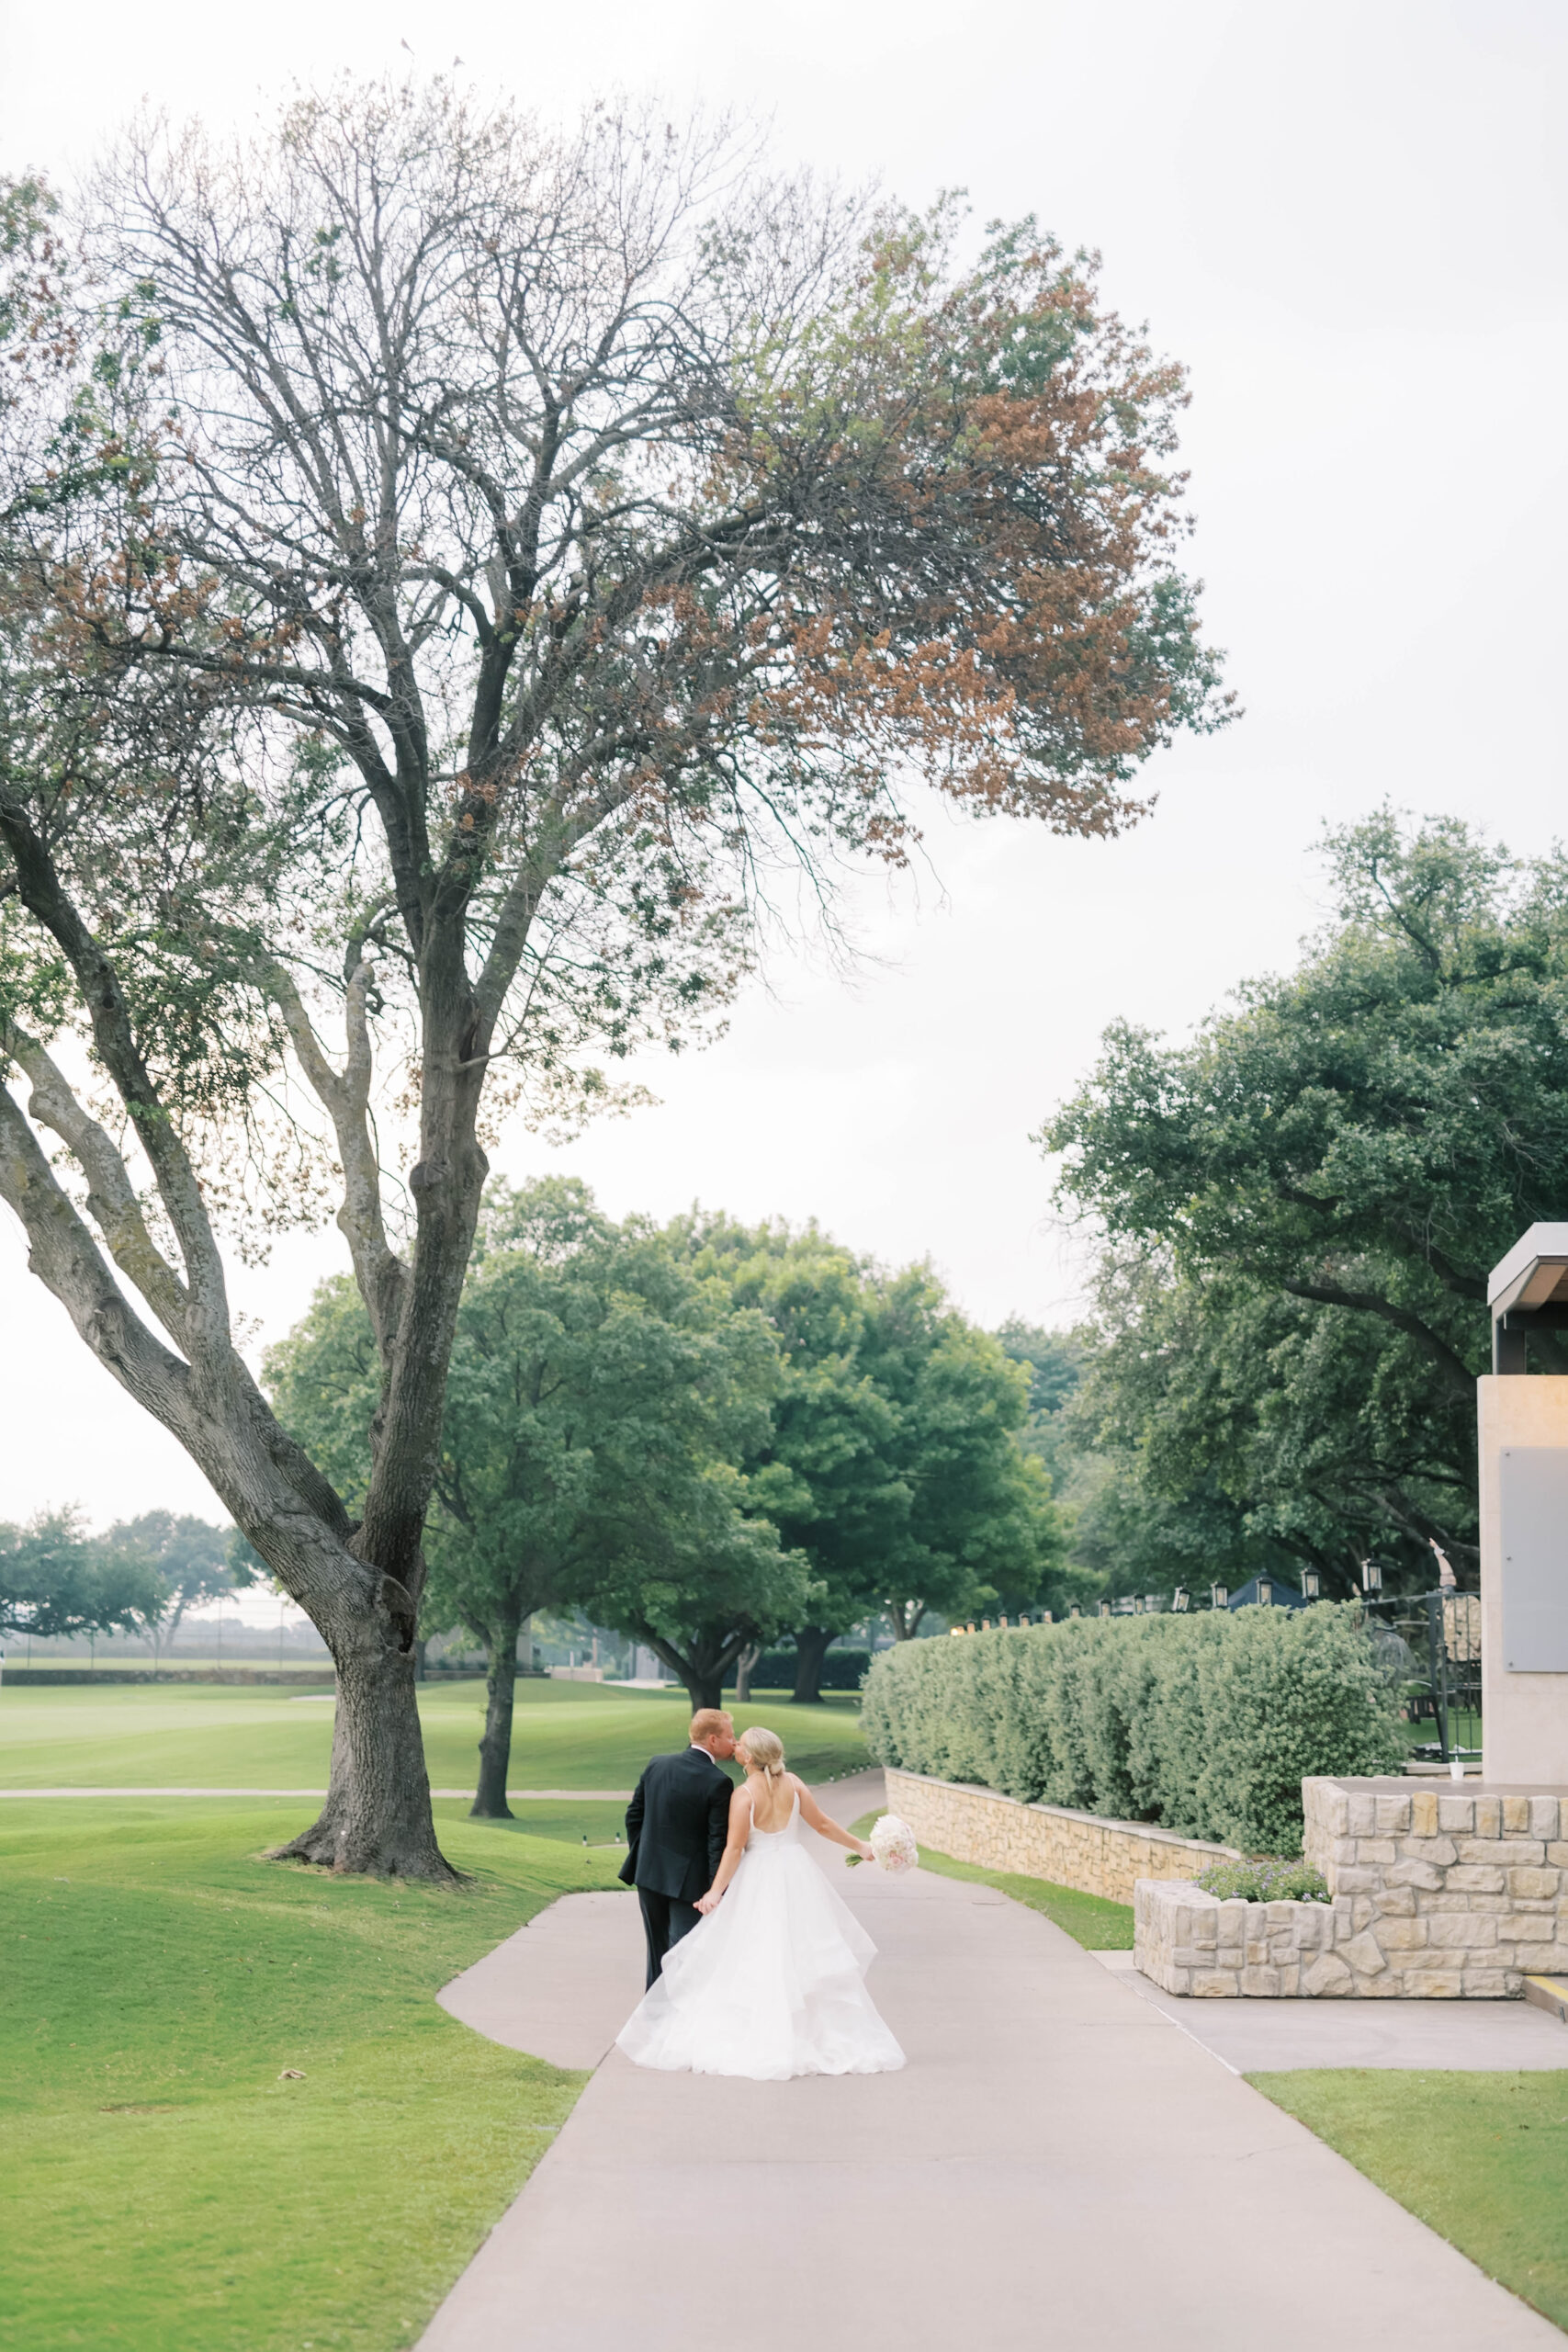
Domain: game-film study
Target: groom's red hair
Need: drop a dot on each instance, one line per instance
(707, 1722)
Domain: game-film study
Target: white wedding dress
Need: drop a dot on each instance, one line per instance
(771, 1983)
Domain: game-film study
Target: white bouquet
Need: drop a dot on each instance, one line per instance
(892, 1846)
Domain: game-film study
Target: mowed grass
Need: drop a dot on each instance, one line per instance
(1483, 2159)
(169, 2188)
(565, 1735)
(1090, 1920)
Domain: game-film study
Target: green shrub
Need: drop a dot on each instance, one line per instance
(1207, 1724)
(1267, 1880)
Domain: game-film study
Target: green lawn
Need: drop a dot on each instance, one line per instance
(566, 1736)
(1483, 2159)
(167, 2190)
(1090, 1920)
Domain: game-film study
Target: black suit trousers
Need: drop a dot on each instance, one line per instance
(665, 1919)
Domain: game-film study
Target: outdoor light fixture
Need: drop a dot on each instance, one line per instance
(1045, 1616)
(1105, 1609)
(1181, 1599)
(1529, 1290)
(1312, 1584)
(1265, 1593)
(1371, 1575)
(1219, 1595)
(1075, 1611)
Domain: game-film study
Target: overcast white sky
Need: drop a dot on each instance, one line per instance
(1348, 222)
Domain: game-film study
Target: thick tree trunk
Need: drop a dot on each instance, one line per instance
(811, 1649)
(376, 1816)
(495, 1749)
(705, 1689)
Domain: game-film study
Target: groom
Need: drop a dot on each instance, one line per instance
(676, 1826)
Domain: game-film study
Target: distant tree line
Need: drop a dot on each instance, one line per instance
(57, 1580)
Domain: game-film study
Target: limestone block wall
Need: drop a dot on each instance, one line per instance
(1188, 1941)
(1468, 1887)
(1435, 1897)
(1049, 1841)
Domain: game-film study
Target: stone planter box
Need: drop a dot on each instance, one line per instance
(1435, 1897)
(1187, 1941)
(1082, 1850)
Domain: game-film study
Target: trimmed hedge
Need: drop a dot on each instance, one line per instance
(1207, 1724)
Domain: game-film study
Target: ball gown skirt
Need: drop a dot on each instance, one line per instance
(768, 1986)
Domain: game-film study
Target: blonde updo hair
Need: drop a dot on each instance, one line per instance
(765, 1750)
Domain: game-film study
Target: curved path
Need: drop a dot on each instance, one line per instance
(1057, 2166)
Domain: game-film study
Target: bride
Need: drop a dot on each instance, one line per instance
(770, 1983)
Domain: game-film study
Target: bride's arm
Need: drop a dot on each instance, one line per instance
(735, 1846)
(815, 1818)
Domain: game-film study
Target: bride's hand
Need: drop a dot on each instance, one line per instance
(868, 1853)
(705, 1904)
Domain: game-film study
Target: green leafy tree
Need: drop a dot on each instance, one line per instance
(599, 1397)
(978, 1525)
(893, 1450)
(55, 1580)
(822, 1469)
(1301, 1207)
(192, 1561)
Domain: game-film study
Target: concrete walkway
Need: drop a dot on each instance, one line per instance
(1057, 2166)
(1257, 2037)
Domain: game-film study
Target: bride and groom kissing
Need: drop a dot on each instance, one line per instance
(755, 1967)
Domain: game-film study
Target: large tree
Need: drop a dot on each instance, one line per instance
(1300, 1208)
(448, 565)
(977, 1519)
(598, 1395)
(821, 1465)
(893, 1460)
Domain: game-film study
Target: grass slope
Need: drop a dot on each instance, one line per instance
(1483, 2159)
(167, 2191)
(565, 1735)
(1090, 1920)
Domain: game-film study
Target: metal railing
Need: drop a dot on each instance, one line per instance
(1441, 1674)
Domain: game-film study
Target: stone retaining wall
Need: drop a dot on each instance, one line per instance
(1187, 1941)
(1077, 1849)
(1434, 1898)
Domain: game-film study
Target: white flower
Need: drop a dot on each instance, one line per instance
(892, 1845)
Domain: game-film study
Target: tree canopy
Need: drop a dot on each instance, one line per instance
(601, 1401)
(191, 1562)
(893, 1459)
(1301, 1209)
(448, 565)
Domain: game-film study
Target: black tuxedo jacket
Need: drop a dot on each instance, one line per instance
(676, 1825)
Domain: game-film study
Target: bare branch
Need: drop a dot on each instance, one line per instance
(111, 1197)
(381, 1275)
